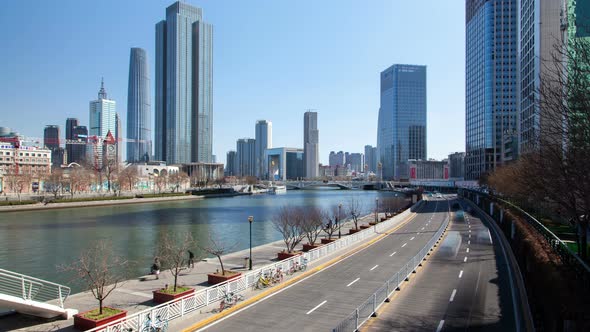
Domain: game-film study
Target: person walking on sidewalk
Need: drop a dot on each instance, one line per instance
(191, 259)
(156, 267)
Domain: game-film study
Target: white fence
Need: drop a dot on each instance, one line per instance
(204, 297)
(34, 289)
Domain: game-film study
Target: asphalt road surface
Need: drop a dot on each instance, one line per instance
(320, 301)
(463, 286)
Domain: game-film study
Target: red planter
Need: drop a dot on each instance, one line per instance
(383, 218)
(326, 241)
(372, 223)
(284, 255)
(160, 297)
(308, 247)
(214, 278)
(82, 323)
(353, 230)
(365, 226)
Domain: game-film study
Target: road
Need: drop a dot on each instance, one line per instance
(463, 286)
(320, 301)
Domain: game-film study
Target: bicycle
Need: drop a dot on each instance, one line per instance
(157, 326)
(298, 267)
(229, 300)
(278, 276)
(264, 281)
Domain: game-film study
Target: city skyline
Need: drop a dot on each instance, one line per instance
(340, 100)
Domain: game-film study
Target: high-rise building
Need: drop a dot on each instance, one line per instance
(336, 159)
(184, 88)
(457, 165)
(311, 140)
(370, 158)
(285, 164)
(103, 119)
(491, 84)
(263, 142)
(79, 133)
(356, 162)
(139, 118)
(51, 142)
(230, 164)
(401, 133)
(246, 157)
(70, 124)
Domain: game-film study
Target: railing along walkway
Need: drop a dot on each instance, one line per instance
(32, 289)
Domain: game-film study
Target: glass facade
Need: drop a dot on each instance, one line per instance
(285, 164)
(103, 114)
(263, 142)
(401, 132)
(311, 141)
(184, 88)
(246, 157)
(490, 82)
(139, 124)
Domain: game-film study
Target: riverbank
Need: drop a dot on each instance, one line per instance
(89, 203)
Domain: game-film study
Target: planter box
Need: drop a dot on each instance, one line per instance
(284, 255)
(326, 241)
(365, 226)
(214, 278)
(160, 297)
(353, 230)
(308, 247)
(384, 218)
(82, 323)
(372, 223)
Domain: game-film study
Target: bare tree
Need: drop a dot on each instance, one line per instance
(355, 208)
(110, 170)
(217, 248)
(177, 179)
(54, 182)
(161, 182)
(100, 269)
(17, 182)
(172, 251)
(312, 223)
(288, 222)
(331, 221)
(128, 177)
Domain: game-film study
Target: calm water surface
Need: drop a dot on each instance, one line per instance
(36, 242)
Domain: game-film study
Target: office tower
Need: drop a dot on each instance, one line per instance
(51, 142)
(285, 164)
(230, 164)
(139, 115)
(103, 119)
(246, 157)
(401, 133)
(70, 124)
(370, 158)
(355, 162)
(457, 165)
(79, 133)
(491, 85)
(336, 159)
(263, 141)
(184, 88)
(311, 140)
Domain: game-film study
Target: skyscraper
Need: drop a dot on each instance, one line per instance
(311, 140)
(139, 120)
(491, 85)
(103, 119)
(245, 157)
(70, 124)
(371, 158)
(263, 142)
(230, 164)
(51, 142)
(184, 88)
(79, 133)
(401, 133)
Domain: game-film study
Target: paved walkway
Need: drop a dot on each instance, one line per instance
(135, 295)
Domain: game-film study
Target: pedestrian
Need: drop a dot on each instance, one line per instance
(156, 267)
(191, 259)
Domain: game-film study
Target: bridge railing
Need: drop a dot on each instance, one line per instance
(204, 297)
(30, 288)
(369, 308)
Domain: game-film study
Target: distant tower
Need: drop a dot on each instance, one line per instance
(51, 142)
(70, 124)
(103, 119)
(263, 142)
(311, 151)
(139, 120)
(245, 157)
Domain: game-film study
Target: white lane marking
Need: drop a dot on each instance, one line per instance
(413, 237)
(317, 306)
(469, 231)
(418, 233)
(422, 229)
(355, 280)
(490, 235)
(453, 295)
(468, 241)
(470, 236)
(460, 274)
(374, 267)
(440, 325)
(393, 253)
(469, 225)
(467, 249)
(404, 244)
(465, 260)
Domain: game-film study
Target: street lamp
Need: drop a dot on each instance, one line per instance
(338, 220)
(376, 212)
(250, 220)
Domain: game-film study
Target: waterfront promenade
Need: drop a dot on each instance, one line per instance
(135, 295)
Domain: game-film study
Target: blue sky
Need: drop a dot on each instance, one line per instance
(272, 60)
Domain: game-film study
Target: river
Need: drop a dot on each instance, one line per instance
(35, 243)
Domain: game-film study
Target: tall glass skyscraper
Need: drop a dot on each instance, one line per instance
(246, 157)
(139, 120)
(263, 141)
(401, 130)
(490, 83)
(70, 124)
(311, 141)
(103, 119)
(184, 87)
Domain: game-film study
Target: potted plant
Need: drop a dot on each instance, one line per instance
(288, 221)
(354, 209)
(218, 249)
(173, 252)
(311, 227)
(99, 268)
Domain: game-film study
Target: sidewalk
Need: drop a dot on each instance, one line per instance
(135, 295)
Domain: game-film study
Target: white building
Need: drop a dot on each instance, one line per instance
(18, 159)
(103, 118)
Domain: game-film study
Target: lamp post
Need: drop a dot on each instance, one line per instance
(376, 212)
(338, 220)
(250, 220)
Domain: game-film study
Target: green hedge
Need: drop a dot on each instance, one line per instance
(8, 203)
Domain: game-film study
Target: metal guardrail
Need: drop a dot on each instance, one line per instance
(557, 245)
(204, 297)
(30, 288)
(362, 313)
